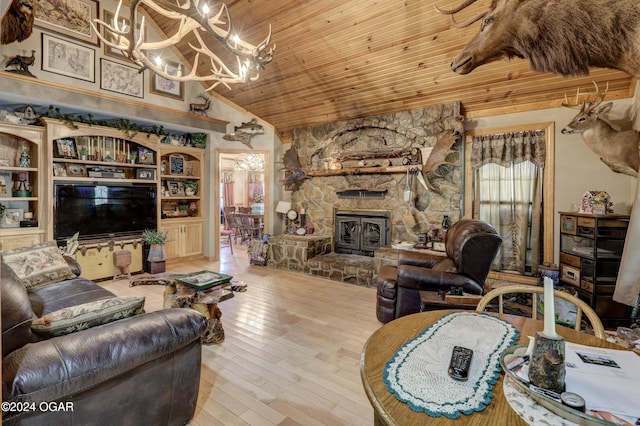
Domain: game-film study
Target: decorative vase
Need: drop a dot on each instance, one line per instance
(189, 192)
(157, 253)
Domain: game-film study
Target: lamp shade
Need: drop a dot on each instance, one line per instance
(283, 206)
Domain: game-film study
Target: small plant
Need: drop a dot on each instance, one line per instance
(2, 209)
(199, 140)
(151, 236)
(191, 184)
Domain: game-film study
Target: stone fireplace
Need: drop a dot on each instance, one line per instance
(367, 190)
(431, 196)
(361, 232)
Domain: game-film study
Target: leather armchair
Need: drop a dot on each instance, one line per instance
(471, 245)
(142, 370)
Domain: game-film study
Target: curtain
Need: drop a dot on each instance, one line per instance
(228, 180)
(255, 187)
(508, 170)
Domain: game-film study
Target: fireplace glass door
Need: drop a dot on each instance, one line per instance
(360, 235)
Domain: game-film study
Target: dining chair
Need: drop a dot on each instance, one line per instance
(582, 307)
(250, 229)
(231, 222)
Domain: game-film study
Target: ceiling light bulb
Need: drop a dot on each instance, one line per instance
(205, 9)
(158, 60)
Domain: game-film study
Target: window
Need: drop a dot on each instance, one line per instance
(509, 184)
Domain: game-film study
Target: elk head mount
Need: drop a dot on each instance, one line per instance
(562, 37)
(619, 150)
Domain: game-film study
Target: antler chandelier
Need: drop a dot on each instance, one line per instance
(253, 162)
(193, 17)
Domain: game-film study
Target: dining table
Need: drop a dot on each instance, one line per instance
(383, 344)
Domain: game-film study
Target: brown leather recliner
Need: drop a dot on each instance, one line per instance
(471, 245)
(143, 370)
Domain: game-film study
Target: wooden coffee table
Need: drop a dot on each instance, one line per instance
(177, 295)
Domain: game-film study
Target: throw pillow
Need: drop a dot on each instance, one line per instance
(38, 264)
(87, 315)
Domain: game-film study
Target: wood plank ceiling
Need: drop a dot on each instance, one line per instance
(338, 60)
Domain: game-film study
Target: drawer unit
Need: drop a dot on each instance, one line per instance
(587, 286)
(591, 248)
(570, 259)
(570, 275)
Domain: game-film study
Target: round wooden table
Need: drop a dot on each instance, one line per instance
(384, 343)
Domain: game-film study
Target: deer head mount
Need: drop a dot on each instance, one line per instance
(192, 21)
(619, 150)
(562, 37)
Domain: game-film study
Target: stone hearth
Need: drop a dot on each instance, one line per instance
(347, 268)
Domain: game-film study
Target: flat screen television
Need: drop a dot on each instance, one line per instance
(99, 211)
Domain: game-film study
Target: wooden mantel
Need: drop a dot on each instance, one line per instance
(365, 170)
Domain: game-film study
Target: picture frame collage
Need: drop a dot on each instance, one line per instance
(67, 40)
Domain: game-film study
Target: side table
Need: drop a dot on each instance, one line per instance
(178, 295)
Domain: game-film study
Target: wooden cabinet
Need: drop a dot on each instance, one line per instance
(20, 185)
(590, 252)
(181, 207)
(103, 175)
(180, 173)
(184, 239)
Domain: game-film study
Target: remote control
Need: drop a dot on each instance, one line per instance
(460, 362)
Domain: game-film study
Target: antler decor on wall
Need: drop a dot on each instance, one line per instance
(193, 20)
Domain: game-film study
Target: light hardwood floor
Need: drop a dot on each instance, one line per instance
(292, 348)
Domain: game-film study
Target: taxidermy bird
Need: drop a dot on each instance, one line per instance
(22, 63)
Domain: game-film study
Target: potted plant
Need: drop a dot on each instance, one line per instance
(157, 254)
(199, 140)
(190, 187)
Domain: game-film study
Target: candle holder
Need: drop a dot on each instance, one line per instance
(547, 367)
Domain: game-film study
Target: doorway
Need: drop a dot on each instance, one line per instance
(242, 181)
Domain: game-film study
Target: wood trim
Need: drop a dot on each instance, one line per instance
(114, 98)
(548, 179)
(513, 278)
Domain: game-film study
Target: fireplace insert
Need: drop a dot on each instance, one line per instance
(361, 232)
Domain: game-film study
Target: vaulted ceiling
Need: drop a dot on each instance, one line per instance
(338, 60)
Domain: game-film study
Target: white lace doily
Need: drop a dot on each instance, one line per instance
(417, 373)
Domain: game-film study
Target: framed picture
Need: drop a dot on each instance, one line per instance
(146, 174)
(65, 148)
(5, 184)
(145, 156)
(66, 58)
(165, 87)
(120, 78)
(124, 23)
(176, 165)
(59, 170)
(76, 170)
(175, 188)
(70, 18)
(12, 218)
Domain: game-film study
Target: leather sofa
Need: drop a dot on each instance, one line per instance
(471, 245)
(140, 370)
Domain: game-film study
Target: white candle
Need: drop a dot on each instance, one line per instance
(549, 309)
